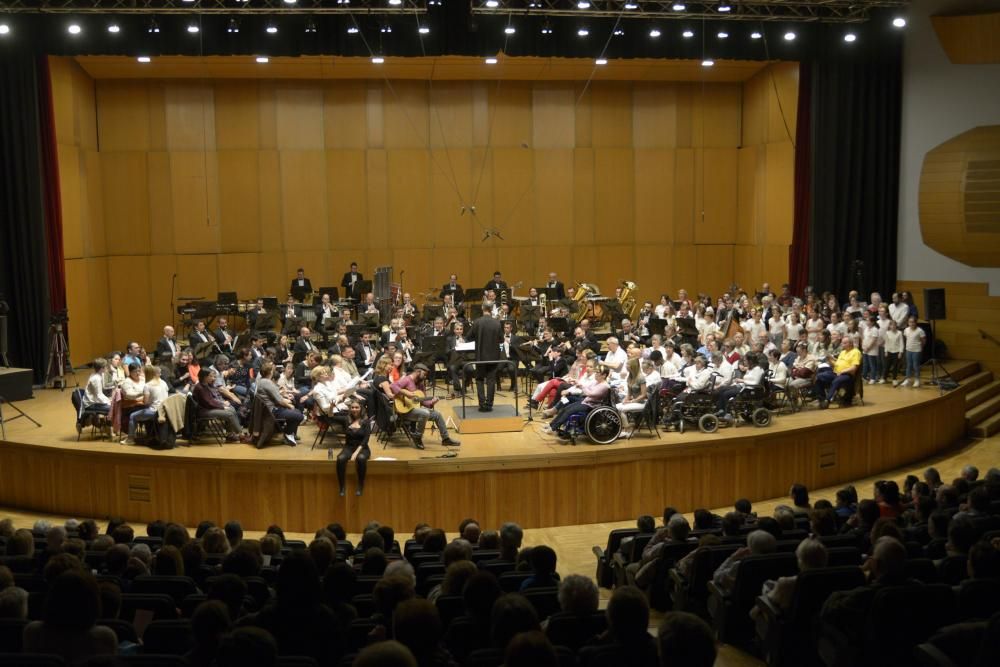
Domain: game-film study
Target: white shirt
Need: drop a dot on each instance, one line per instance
(839, 327)
(754, 328)
(753, 376)
(776, 326)
(617, 360)
(699, 380)
(901, 313)
(893, 342)
(726, 371)
(794, 331)
(779, 373)
(871, 339)
(914, 339)
(94, 393)
(154, 393)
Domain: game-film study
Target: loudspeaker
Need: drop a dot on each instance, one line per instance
(934, 304)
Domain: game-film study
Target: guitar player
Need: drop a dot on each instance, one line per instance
(408, 395)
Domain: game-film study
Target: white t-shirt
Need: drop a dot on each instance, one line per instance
(776, 326)
(794, 331)
(914, 339)
(754, 329)
(753, 376)
(871, 339)
(839, 327)
(893, 341)
(901, 313)
(619, 359)
(154, 393)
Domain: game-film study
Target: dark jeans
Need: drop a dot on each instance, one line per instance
(362, 462)
(828, 383)
(565, 413)
(292, 419)
(486, 384)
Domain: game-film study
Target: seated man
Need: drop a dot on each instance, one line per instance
(280, 407)
(408, 385)
(593, 396)
(759, 542)
(829, 381)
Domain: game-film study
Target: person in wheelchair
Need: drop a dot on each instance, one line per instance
(700, 378)
(593, 396)
(752, 380)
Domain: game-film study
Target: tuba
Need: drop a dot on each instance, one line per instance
(627, 299)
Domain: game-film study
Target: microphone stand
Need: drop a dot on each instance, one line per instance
(173, 313)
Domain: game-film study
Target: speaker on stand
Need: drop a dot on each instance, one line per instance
(934, 310)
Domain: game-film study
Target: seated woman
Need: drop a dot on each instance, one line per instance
(648, 382)
(593, 396)
(114, 372)
(355, 446)
(154, 392)
(286, 382)
(211, 404)
(753, 376)
(546, 393)
(777, 371)
(182, 379)
(803, 367)
(69, 623)
(573, 392)
(329, 401)
(282, 408)
(243, 374)
(94, 398)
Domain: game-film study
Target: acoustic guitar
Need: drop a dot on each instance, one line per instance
(406, 403)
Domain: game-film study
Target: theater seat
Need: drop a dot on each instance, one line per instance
(174, 637)
(731, 611)
(30, 660)
(572, 631)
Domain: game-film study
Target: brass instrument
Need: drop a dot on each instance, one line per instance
(543, 304)
(583, 292)
(627, 299)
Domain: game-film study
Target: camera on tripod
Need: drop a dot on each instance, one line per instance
(58, 319)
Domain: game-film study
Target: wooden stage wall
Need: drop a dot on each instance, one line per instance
(587, 484)
(231, 184)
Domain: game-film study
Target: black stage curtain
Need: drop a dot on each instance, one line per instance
(855, 175)
(23, 272)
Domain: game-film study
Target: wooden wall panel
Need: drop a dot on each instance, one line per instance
(660, 176)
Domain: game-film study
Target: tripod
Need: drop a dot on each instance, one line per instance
(20, 413)
(58, 359)
(938, 371)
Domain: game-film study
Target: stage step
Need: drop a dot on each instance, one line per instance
(986, 428)
(983, 412)
(963, 369)
(979, 396)
(977, 381)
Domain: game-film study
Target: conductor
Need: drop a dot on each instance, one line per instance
(487, 332)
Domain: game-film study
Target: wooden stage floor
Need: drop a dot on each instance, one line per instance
(526, 474)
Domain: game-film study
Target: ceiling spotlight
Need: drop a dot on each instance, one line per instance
(679, 7)
(899, 22)
(492, 4)
(755, 35)
(850, 37)
(724, 7)
(583, 4)
(386, 29)
(491, 61)
(144, 59)
(687, 34)
(4, 29)
(353, 30)
(546, 28)
(655, 32)
(310, 26)
(193, 28)
(509, 30)
(618, 32)
(582, 32)
(263, 60)
(631, 5)
(789, 36)
(423, 30)
(394, 3)
(154, 27)
(271, 29)
(343, 2)
(708, 62)
(74, 29)
(378, 60)
(290, 2)
(601, 61)
(723, 35)
(114, 28)
(234, 27)
(433, 3)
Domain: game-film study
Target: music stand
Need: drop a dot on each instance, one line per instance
(203, 350)
(431, 312)
(332, 291)
(559, 324)
(266, 321)
(433, 344)
(369, 320)
(299, 293)
(473, 294)
(270, 302)
(354, 331)
(657, 326)
(365, 287)
(530, 314)
(227, 299)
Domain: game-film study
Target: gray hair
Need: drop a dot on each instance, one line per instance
(512, 534)
(55, 536)
(761, 542)
(401, 567)
(142, 552)
(811, 554)
(970, 472)
(578, 595)
(678, 527)
(785, 517)
(41, 527)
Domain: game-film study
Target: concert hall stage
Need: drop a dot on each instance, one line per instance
(524, 476)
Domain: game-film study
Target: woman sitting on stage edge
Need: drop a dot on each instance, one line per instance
(355, 446)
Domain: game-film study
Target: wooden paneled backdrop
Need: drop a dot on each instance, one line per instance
(233, 184)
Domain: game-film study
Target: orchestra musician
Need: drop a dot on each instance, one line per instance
(326, 313)
(300, 285)
(365, 353)
(408, 385)
(167, 347)
(409, 308)
(404, 344)
(199, 336)
(497, 284)
(254, 314)
(291, 315)
(224, 337)
(303, 345)
(453, 289)
(554, 283)
(352, 283)
(370, 307)
(508, 351)
(456, 361)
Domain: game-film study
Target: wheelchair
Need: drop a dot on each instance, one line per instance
(601, 425)
(697, 407)
(750, 406)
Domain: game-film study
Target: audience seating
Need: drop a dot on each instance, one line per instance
(173, 637)
(122, 629)
(572, 631)
(604, 575)
(787, 638)
(30, 660)
(544, 600)
(11, 630)
(730, 611)
(691, 593)
(978, 598)
(162, 605)
(177, 588)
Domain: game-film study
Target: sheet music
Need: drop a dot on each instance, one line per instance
(469, 346)
(358, 380)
